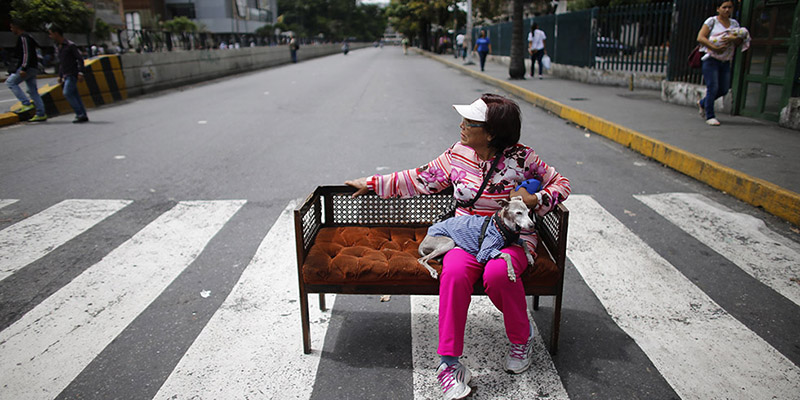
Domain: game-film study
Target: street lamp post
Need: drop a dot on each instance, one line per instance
(468, 39)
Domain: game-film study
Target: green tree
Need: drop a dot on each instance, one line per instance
(415, 18)
(180, 25)
(332, 19)
(576, 5)
(101, 30)
(71, 15)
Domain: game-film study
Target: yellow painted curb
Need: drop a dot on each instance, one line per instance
(772, 198)
(8, 119)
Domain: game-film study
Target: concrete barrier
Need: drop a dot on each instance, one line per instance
(148, 72)
(639, 80)
(114, 78)
(103, 84)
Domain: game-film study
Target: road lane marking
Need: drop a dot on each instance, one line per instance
(744, 240)
(7, 202)
(34, 237)
(50, 345)
(700, 349)
(252, 345)
(485, 349)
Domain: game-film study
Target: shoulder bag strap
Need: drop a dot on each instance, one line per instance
(485, 181)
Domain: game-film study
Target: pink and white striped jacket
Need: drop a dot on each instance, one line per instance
(460, 167)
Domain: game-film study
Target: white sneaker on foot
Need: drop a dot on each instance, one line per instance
(519, 355)
(454, 380)
(712, 122)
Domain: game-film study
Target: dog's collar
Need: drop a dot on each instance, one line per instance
(509, 236)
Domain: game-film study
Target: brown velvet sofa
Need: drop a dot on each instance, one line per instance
(368, 245)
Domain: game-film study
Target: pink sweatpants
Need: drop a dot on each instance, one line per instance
(459, 273)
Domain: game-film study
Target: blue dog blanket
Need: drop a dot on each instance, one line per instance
(465, 231)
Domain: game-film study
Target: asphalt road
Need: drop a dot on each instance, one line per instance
(258, 141)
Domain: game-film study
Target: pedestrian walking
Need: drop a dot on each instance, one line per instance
(25, 70)
(70, 71)
(484, 47)
(489, 150)
(717, 69)
(460, 50)
(536, 47)
(293, 46)
(405, 46)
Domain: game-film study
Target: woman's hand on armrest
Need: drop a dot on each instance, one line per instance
(360, 184)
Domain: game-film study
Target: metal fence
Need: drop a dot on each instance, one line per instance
(625, 38)
(633, 38)
(151, 41)
(687, 19)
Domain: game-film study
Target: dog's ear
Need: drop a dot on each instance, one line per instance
(502, 202)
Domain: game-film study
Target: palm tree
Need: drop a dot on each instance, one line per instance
(516, 69)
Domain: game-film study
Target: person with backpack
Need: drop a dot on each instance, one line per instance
(25, 70)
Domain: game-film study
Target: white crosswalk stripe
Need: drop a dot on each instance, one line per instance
(685, 333)
(7, 202)
(252, 345)
(34, 237)
(742, 239)
(486, 344)
(51, 344)
(252, 348)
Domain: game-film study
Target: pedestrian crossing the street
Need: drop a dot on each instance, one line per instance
(252, 348)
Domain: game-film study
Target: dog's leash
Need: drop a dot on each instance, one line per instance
(483, 184)
(508, 236)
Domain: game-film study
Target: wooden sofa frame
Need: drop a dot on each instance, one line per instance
(334, 206)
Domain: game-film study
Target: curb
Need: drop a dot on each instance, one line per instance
(8, 118)
(772, 198)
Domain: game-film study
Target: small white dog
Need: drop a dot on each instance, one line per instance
(483, 237)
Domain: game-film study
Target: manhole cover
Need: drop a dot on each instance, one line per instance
(754, 152)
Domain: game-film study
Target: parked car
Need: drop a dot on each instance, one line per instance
(607, 46)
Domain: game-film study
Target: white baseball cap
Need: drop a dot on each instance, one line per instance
(475, 111)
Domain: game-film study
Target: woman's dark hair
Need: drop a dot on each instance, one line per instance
(534, 27)
(503, 121)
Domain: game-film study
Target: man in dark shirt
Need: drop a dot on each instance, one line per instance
(25, 71)
(70, 71)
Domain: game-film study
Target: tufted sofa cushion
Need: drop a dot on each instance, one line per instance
(388, 255)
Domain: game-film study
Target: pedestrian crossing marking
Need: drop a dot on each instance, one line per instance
(7, 202)
(702, 351)
(252, 345)
(50, 345)
(744, 240)
(485, 348)
(34, 237)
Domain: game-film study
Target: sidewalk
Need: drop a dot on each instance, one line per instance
(753, 160)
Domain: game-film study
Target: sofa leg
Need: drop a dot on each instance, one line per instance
(305, 322)
(322, 302)
(556, 325)
(535, 303)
